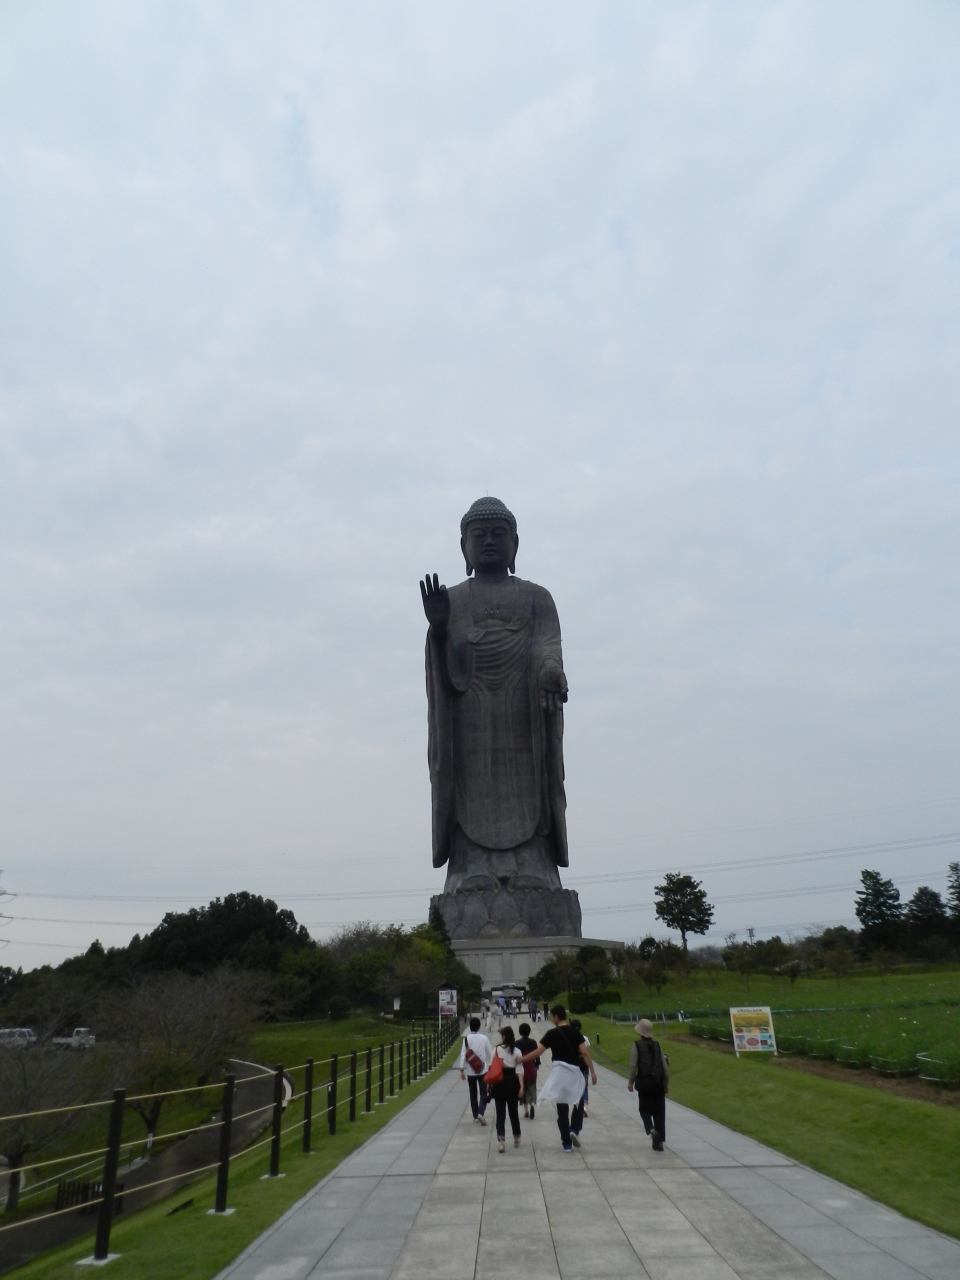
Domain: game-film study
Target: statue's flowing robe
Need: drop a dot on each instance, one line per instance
(496, 757)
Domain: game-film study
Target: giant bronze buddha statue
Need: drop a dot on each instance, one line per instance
(495, 693)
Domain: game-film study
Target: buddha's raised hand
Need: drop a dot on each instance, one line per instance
(436, 602)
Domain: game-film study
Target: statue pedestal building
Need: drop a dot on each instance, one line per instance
(516, 960)
(521, 912)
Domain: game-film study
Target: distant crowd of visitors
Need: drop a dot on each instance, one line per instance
(508, 1075)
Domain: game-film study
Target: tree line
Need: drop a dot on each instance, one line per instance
(926, 928)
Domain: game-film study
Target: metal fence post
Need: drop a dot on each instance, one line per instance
(308, 1107)
(332, 1095)
(408, 1060)
(380, 1090)
(101, 1250)
(277, 1120)
(226, 1124)
(353, 1084)
(368, 1101)
(400, 1067)
(392, 1071)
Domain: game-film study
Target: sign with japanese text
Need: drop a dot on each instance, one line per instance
(753, 1029)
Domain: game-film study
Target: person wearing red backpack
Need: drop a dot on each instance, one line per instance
(475, 1057)
(650, 1072)
(505, 1085)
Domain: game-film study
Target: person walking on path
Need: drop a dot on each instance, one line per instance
(508, 1086)
(527, 1045)
(565, 1082)
(650, 1072)
(576, 1128)
(475, 1057)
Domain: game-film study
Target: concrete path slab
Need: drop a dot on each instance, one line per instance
(430, 1198)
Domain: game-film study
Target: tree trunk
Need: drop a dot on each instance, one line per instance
(13, 1186)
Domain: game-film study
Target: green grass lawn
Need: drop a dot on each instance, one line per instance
(293, 1042)
(192, 1245)
(902, 1152)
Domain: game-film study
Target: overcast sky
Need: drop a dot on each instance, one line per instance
(285, 286)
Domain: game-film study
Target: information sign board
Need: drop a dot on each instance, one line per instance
(753, 1029)
(448, 1003)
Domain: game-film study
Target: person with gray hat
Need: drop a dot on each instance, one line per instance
(650, 1072)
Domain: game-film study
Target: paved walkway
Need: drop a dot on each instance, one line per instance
(430, 1198)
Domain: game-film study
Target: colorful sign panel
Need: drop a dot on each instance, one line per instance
(448, 1004)
(753, 1029)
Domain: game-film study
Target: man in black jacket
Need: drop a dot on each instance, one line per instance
(649, 1070)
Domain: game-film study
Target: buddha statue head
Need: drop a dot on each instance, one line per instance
(488, 538)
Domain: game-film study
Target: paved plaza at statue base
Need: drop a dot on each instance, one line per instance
(430, 1198)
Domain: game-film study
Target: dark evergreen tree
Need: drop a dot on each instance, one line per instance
(880, 912)
(953, 896)
(927, 923)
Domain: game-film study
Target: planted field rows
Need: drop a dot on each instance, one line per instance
(921, 1040)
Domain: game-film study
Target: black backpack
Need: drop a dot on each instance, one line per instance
(649, 1064)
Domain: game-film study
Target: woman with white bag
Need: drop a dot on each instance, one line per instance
(566, 1082)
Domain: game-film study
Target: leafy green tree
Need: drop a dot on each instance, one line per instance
(772, 954)
(880, 912)
(739, 956)
(683, 905)
(310, 981)
(243, 929)
(839, 960)
(554, 976)
(595, 964)
(656, 972)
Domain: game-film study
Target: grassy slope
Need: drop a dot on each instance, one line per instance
(900, 1151)
(290, 1043)
(293, 1042)
(193, 1245)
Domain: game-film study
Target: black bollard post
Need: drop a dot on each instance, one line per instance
(392, 1073)
(108, 1191)
(332, 1095)
(353, 1084)
(308, 1107)
(277, 1120)
(368, 1102)
(226, 1123)
(380, 1090)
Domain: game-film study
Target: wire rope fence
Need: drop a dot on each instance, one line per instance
(79, 1191)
